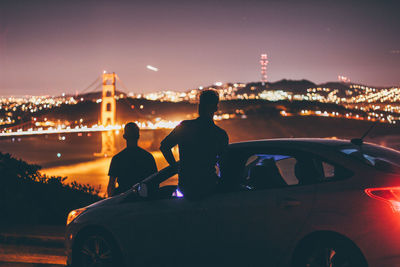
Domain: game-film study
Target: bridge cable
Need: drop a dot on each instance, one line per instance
(88, 87)
(123, 85)
(127, 96)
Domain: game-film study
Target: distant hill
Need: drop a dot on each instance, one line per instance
(342, 87)
(335, 85)
(295, 86)
(93, 96)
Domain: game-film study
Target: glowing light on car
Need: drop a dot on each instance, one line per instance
(177, 193)
(390, 195)
(74, 214)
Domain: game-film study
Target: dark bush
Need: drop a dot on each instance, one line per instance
(27, 196)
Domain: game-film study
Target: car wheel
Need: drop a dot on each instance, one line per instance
(329, 253)
(96, 250)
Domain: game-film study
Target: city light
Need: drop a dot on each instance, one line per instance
(361, 102)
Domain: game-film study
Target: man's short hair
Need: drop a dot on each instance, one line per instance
(209, 98)
(131, 131)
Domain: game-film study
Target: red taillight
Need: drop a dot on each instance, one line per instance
(390, 195)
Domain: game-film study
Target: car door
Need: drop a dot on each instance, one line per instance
(156, 232)
(257, 224)
(203, 232)
(173, 231)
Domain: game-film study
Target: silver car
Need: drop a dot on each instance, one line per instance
(280, 202)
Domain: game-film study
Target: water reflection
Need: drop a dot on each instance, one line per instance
(95, 172)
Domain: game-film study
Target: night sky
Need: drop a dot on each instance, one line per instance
(54, 46)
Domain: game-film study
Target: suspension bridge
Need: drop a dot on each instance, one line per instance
(107, 120)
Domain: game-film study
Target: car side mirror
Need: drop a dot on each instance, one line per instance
(143, 190)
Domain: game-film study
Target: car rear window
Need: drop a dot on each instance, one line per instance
(381, 158)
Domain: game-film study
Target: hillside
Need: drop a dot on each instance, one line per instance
(28, 196)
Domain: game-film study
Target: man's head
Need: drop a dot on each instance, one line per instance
(131, 132)
(208, 103)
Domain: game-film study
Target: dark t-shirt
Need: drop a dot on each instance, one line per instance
(130, 166)
(200, 143)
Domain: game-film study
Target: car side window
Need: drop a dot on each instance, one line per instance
(264, 171)
(332, 172)
(329, 170)
(273, 170)
(286, 167)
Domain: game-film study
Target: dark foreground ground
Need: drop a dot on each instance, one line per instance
(32, 246)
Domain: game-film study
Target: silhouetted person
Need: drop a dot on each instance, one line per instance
(131, 165)
(200, 144)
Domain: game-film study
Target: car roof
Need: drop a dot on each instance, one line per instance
(293, 142)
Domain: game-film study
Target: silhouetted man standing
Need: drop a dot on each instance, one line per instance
(131, 165)
(200, 143)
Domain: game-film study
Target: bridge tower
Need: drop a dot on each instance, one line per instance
(108, 115)
(108, 103)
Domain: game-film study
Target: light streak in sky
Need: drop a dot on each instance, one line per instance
(151, 68)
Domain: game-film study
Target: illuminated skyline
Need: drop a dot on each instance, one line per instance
(49, 47)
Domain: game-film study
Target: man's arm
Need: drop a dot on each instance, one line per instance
(113, 172)
(168, 143)
(111, 186)
(167, 152)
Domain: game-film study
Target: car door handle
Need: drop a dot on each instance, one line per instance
(289, 202)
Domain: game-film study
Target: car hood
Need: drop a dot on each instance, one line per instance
(110, 201)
